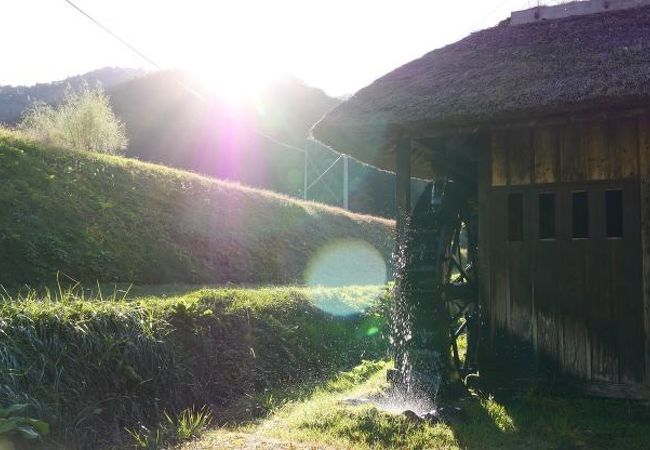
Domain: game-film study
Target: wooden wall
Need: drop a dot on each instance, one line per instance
(578, 306)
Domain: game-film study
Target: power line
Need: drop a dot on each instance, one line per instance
(114, 35)
(159, 67)
(323, 174)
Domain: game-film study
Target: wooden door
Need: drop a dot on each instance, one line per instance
(566, 277)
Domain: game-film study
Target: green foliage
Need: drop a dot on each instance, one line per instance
(147, 439)
(89, 367)
(100, 217)
(83, 121)
(189, 424)
(14, 422)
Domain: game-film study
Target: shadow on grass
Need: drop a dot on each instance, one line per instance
(540, 419)
(530, 419)
(251, 409)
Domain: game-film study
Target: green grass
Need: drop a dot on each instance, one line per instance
(104, 218)
(526, 420)
(92, 368)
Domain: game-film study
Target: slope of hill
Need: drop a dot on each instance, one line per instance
(95, 217)
(16, 99)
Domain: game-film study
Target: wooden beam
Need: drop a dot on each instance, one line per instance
(644, 172)
(487, 310)
(630, 391)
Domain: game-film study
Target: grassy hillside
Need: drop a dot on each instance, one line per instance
(90, 368)
(100, 218)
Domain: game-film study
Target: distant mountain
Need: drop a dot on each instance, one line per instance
(16, 99)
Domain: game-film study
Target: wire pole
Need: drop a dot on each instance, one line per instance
(304, 174)
(345, 182)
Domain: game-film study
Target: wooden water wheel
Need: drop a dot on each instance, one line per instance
(437, 306)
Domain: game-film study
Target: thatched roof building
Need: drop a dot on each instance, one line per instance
(537, 133)
(499, 74)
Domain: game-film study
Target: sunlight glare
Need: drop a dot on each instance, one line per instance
(235, 83)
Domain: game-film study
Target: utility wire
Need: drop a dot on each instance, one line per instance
(323, 174)
(114, 35)
(159, 67)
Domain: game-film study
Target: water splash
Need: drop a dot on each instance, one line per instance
(415, 341)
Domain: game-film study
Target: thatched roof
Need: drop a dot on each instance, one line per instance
(509, 71)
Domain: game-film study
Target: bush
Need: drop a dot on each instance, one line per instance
(83, 121)
(92, 369)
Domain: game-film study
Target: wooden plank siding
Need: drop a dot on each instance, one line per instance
(572, 301)
(644, 175)
(546, 146)
(626, 271)
(582, 303)
(572, 155)
(499, 158)
(520, 157)
(604, 353)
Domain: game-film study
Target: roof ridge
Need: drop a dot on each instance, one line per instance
(572, 9)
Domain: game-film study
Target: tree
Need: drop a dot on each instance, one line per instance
(83, 121)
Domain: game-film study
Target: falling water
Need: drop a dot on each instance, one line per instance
(416, 378)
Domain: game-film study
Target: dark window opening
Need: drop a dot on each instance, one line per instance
(547, 216)
(580, 215)
(516, 217)
(614, 213)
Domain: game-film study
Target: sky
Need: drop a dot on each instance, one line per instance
(337, 45)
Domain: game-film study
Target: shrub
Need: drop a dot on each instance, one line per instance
(83, 121)
(189, 424)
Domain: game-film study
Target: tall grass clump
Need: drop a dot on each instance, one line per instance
(92, 369)
(83, 121)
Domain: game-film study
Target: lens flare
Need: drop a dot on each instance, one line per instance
(372, 331)
(346, 263)
(351, 264)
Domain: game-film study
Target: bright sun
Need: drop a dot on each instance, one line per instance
(235, 83)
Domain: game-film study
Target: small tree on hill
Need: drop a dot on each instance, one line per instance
(83, 121)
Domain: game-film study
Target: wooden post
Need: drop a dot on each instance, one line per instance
(486, 337)
(403, 187)
(644, 172)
